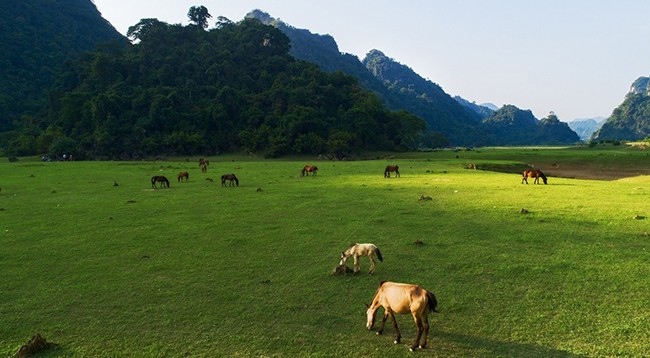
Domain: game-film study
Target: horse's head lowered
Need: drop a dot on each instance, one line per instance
(370, 316)
(343, 259)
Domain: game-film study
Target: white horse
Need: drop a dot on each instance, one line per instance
(357, 250)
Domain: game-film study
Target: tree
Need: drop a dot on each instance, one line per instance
(143, 28)
(199, 15)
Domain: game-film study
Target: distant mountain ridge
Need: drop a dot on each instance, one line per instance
(434, 106)
(483, 110)
(460, 121)
(586, 127)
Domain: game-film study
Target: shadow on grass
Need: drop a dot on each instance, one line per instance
(492, 348)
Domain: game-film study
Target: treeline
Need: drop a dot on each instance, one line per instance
(182, 90)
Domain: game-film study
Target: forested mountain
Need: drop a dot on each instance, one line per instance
(425, 99)
(184, 90)
(36, 37)
(410, 93)
(630, 120)
(459, 121)
(513, 126)
(237, 87)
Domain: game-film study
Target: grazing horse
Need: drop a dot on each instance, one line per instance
(533, 173)
(391, 168)
(159, 179)
(357, 250)
(183, 175)
(203, 164)
(309, 169)
(231, 178)
(403, 298)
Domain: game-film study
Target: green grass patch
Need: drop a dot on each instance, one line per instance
(108, 270)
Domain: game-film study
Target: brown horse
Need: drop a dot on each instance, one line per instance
(203, 164)
(159, 179)
(403, 298)
(231, 178)
(391, 168)
(358, 250)
(183, 175)
(309, 169)
(533, 173)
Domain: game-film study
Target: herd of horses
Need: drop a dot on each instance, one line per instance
(403, 298)
(393, 297)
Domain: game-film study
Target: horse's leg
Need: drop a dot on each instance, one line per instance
(356, 263)
(418, 323)
(383, 322)
(425, 324)
(398, 336)
(536, 181)
(372, 264)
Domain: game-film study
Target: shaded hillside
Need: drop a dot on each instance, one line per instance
(182, 90)
(513, 126)
(400, 88)
(36, 37)
(631, 119)
(426, 99)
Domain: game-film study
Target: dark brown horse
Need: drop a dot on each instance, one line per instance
(391, 168)
(159, 179)
(203, 164)
(232, 179)
(309, 169)
(533, 173)
(183, 175)
(403, 298)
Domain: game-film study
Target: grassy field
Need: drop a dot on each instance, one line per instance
(98, 262)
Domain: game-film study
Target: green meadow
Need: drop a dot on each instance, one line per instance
(98, 262)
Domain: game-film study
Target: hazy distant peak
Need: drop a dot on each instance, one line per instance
(491, 106)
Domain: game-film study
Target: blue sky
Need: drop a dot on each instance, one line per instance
(576, 58)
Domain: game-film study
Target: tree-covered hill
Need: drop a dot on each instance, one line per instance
(456, 121)
(184, 90)
(36, 37)
(513, 126)
(426, 99)
(631, 119)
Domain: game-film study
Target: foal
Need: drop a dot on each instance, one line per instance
(357, 250)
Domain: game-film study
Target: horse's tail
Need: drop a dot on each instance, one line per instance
(433, 302)
(378, 253)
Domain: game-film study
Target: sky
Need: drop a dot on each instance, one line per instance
(576, 58)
